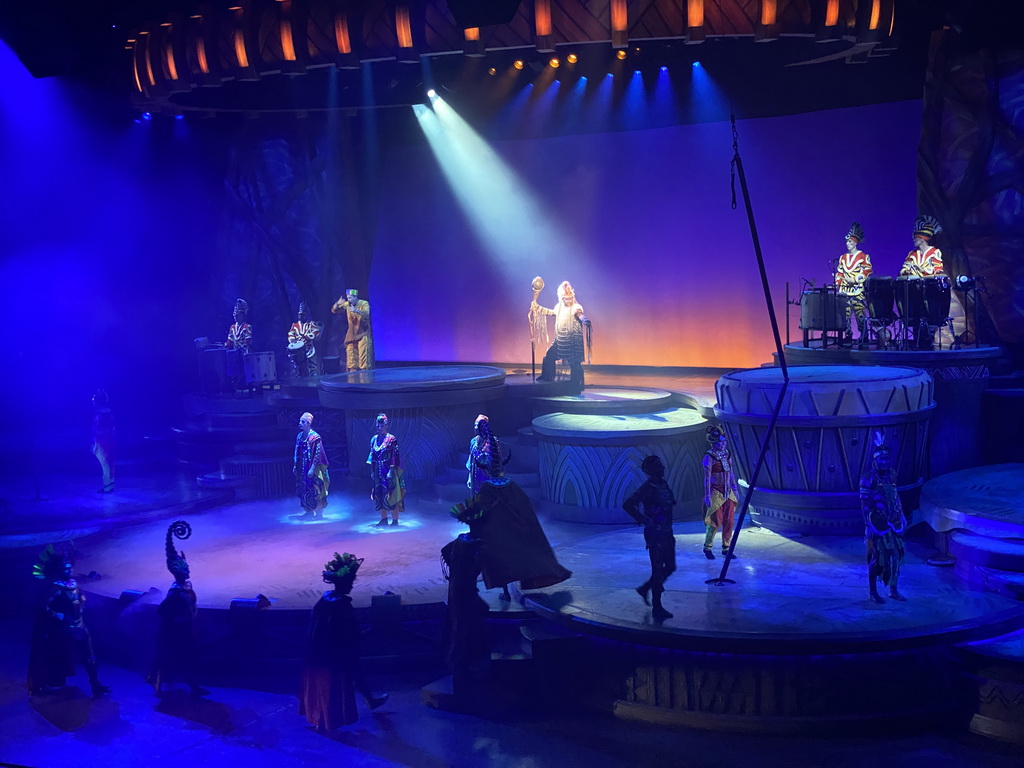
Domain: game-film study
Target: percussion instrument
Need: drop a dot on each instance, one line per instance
(924, 298)
(880, 296)
(260, 367)
(822, 309)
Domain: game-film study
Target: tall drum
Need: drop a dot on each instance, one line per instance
(822, 442)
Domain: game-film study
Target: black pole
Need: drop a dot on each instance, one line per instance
(737, 167)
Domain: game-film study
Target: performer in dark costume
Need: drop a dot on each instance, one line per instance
(103, 437)
(884, 523)
(388, 489)
(331, 676)
(721, 494)
(310, 469)
(176, 643)
(467, 648)
(657, 500)
(568, 345)
(60, 639)
(514, 547)
(479, 447)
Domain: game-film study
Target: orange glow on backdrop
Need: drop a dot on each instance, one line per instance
(542, 17)
(472, 34)
(204, 67)
(832, 13)
(876, 12)
(769, 11)
(341, 34)
(694, 13)
(172, 68)
(403, 27)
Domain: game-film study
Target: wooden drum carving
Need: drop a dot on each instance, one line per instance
(822, 441)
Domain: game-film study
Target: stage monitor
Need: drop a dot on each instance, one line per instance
(482, 13)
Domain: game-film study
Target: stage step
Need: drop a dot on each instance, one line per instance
(245, 488)
(997, 554)
(995, 671)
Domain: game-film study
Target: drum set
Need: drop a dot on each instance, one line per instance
(902, 313)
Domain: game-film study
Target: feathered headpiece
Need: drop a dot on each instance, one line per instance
(926, 227)
(342, 569)
(50, 563)
(714, 433)
(856, 232)
(241, 305)
(176, 562)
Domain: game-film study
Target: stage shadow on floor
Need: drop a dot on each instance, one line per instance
(71, 710)
(217, 716)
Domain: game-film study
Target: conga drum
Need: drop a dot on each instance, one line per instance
(260, 367)
(822, 442)
(880, 296)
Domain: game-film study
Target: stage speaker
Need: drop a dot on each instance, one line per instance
(482, 13)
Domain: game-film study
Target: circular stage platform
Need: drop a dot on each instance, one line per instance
(985, 500)
(431, 410)
(617, 400)
(794, 646)
(803, 596)
(590, 462)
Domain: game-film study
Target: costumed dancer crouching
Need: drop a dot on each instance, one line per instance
(884, 522)
(852, 271)
(386, 474)
(60, 638)
(721, 494)
(309, 465)
(657, 500)
(331, 675)
(514, 546)
(568, 345)
(176, 642)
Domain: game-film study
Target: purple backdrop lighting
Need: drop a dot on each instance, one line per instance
(662, 264)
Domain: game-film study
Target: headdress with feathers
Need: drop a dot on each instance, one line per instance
(176, 562)
(856, 232)
(51, 560)
(341, 569)
(927, 226)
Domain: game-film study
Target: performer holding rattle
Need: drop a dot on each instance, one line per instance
(359, 337)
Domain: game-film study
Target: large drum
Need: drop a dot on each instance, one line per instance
(880, 297)
(822, 445)
(260, 367)
(823, 309)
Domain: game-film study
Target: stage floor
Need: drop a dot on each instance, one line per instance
(806, 595)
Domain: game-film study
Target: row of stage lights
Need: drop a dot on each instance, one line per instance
(553, 63)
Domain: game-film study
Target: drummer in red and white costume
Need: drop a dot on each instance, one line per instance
(926, 259)
(240, 332)
(305, 331)
(852, 272)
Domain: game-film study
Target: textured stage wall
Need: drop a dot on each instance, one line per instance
(662, 265)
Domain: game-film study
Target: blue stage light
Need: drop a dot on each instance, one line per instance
(179, 117)
(636, 71)
(664, 69)
(696, 63)
(147, 115)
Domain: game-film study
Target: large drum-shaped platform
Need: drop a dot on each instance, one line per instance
(590, 463)
(822, 443)
(431, 410)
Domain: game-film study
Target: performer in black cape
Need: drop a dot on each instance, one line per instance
(331, 676)
(176, 642)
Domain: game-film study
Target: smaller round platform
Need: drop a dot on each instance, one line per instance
(603, 400)
(984, 500)
(590, 462)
